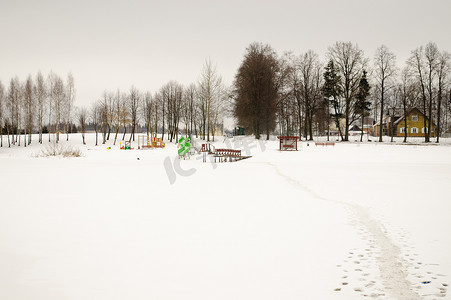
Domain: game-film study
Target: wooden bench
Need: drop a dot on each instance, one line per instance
(325, 144)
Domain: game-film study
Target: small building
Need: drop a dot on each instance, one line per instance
(367, 126)
(238, 131)
(288, 143)
(354, 130)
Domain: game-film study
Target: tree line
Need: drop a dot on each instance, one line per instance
(36, 105)
(288, 94)
(196, 109)
(297, 94)
(46, 105)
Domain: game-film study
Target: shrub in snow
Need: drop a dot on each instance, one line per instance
(56, 149)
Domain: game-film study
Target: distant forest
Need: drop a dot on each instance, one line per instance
(272, 93)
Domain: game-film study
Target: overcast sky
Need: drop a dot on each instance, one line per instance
(115, 44)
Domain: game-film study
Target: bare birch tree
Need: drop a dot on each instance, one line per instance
(40, 92)
(70, 98)
(209, 89)
(28, 109)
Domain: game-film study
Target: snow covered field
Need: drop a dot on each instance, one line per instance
(353, 221)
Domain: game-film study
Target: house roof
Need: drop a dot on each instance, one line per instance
(378, 123)
(355, 128)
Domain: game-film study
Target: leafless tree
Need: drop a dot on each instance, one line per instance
(70, 98)
(133, 107)
(287, 86)
(107, 113)
(95, 117)
(218, 109)
(58, 96)
(432, 61)
(310, 87)
(103, 118)
(209, 90)
(50, 103)
(394, 98)
(350, 62)
(125, 114)
(2, 104)
(158, 103)
(14, 105)
(406, 92)
(40, 92)
(442, 72)
(82, 120)
(172, 95)
(28, 109)
(147, 112)
(385, 72)
(423, 63)
(120, 114)
(190, 108)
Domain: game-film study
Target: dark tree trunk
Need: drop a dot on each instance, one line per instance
(439, 105)
(361, 129)
(115, 136)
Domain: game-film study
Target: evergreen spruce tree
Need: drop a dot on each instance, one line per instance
(362, 105)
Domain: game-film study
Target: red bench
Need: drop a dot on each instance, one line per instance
(324, 144)
(227, 152)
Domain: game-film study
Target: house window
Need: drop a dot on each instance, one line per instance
(423, 131)
(415, 118)
(402, 130)
(414, 130)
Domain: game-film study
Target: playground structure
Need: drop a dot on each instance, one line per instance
(126, 146)
(184, 147)
(288, 143)
(222, 155)
(150, 142)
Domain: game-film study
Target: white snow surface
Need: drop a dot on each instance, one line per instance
(352, 221)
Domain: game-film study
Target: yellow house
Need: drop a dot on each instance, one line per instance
(415, 125)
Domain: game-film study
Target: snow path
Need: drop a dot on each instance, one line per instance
(392, 267)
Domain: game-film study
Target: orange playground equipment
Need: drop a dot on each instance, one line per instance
(149, 142)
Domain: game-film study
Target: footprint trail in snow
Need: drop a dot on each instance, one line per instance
(381, 255)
